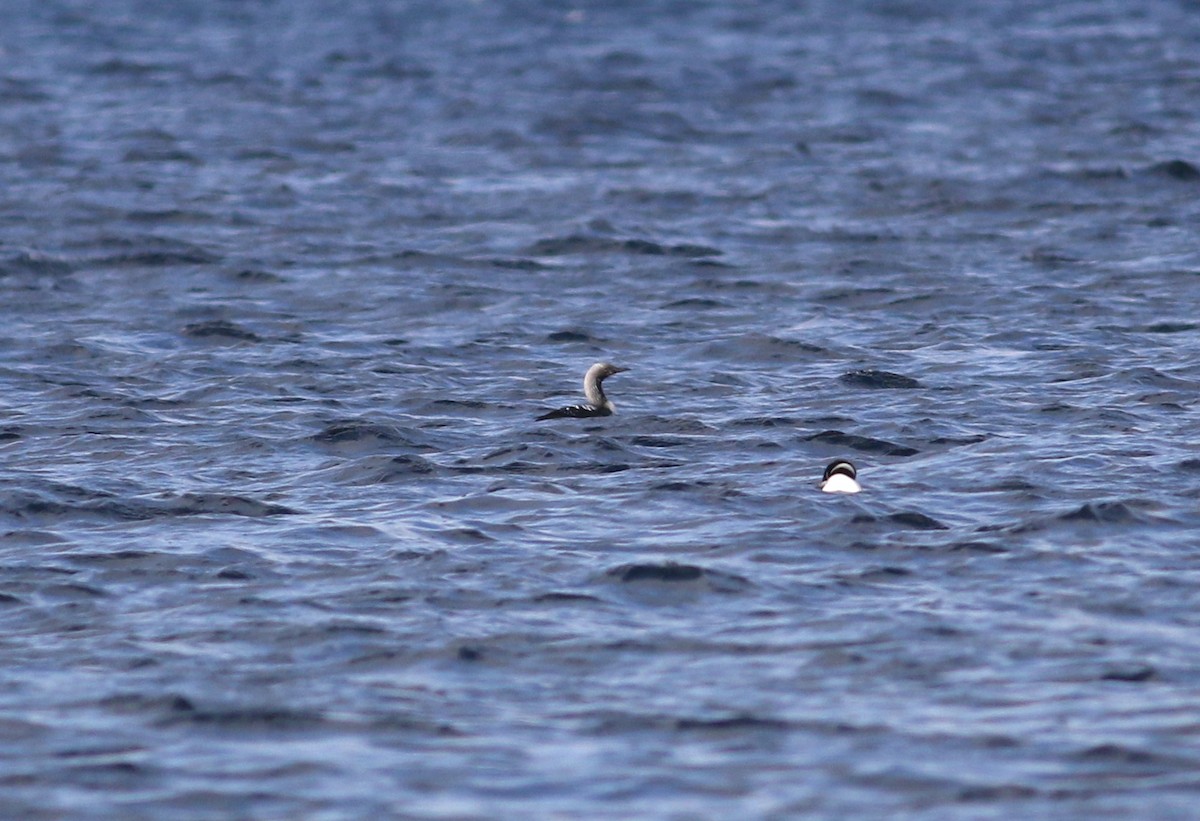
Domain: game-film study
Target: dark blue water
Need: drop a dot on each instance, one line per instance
(283, 285)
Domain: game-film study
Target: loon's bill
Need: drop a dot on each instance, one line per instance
(597, 403)
(840, 477)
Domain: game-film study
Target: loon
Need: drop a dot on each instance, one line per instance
(840, 477)
(598, 404)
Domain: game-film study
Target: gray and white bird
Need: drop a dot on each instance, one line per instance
(840, 477)
(597, 403)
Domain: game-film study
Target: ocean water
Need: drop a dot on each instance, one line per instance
(283, 286)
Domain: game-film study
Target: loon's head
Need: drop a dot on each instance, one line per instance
(840, 477)
(602, 370)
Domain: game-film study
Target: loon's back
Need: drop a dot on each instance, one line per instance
(575, 412)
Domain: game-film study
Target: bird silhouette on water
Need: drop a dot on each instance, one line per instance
(597, 403)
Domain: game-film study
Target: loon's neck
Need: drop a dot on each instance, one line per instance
(594, 392)
(840, 483)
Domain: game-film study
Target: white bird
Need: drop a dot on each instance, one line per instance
(598, 404)
(840, 477)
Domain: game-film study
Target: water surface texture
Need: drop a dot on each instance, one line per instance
(284, 284)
